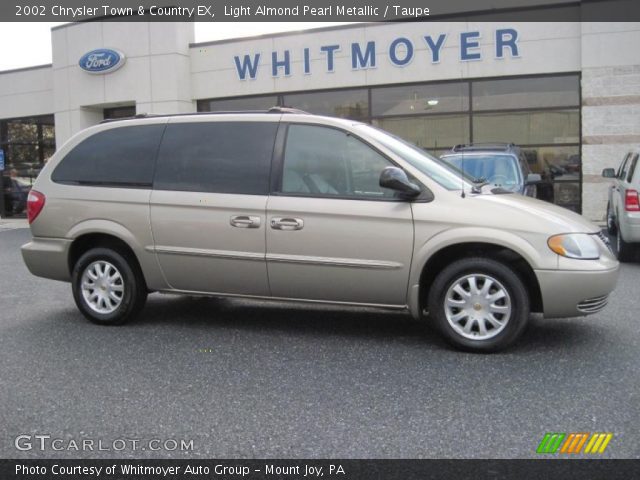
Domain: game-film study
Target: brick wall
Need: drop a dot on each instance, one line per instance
(610, 127)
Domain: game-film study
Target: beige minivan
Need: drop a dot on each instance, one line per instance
(285, 205)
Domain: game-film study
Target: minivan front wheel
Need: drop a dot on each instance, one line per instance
(107, 289)
(479, 304)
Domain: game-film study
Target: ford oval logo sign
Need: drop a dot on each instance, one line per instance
(102, 60)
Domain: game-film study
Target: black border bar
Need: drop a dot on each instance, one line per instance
(565, 469)
(321, 10)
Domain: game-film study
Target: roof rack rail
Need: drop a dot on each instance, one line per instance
(275, 109)
(287, 110)
(483, 146)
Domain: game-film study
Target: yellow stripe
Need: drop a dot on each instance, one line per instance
(596, 445)
(607, 439)
(565, 447)
(590, 444)
(583, 439)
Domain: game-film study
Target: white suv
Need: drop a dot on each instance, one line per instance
(623, 208)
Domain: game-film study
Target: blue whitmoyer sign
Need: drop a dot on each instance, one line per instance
(102, 60)
(1, 160)
(400, 52)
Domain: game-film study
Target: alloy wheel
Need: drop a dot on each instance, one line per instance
(477, 306)
(102, 287)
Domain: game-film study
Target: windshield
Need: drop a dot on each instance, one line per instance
(449, 177)
(497, 170)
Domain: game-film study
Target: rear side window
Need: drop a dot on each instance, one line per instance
(524, 164)
(122, 157)
(217, 157)
(632, 169)
(622, 171)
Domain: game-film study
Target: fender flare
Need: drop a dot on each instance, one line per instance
(454, 236)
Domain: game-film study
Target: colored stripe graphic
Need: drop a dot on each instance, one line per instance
(568, 443)
(572, 443)
(598, 443)
(580, 443)
(550, 443)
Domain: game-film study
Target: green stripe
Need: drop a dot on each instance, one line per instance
(543, 444)
(558, 441)
(551, 442)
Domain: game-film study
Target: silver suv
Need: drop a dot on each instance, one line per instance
(500, 164)
(290, 206)
(623, 208)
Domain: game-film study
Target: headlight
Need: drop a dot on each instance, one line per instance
(575, 245)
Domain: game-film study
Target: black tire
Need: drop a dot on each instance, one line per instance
(508, 280)
(611, 221)
(132, 285)
(624, 249)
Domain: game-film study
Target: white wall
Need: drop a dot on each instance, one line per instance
(26, 92)
(611, 105)
(155, 76)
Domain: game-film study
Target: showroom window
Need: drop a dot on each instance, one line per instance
(539, 113)
(115, 113)
(353, 104)
(533, 92)
(420, 99)
(432, 116)
(263, 102)
(437, 133)
(27, 144)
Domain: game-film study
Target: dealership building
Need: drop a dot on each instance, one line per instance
(567, 93)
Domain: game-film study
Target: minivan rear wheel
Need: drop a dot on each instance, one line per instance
(479, 304)
(107, 288)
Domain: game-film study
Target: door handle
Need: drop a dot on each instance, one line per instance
(245, 221)
(280, 223)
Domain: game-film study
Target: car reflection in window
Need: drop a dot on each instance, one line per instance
(499, 170)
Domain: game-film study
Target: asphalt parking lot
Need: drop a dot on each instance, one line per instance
(257, 379)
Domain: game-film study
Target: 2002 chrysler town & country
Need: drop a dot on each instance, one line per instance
(287, 205)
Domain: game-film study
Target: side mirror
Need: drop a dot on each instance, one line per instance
(533, 178)
(396, 179)
(609, 173)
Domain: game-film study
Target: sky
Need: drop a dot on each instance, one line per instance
(28, 44)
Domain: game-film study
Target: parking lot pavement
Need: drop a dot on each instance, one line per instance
(256, 379)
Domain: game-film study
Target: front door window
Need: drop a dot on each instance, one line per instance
(322, 161)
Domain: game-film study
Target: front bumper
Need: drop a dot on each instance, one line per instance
(572, 293)
(47, 257)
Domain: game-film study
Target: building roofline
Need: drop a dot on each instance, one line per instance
(64, 25)
(24, 69)
(100, 18)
